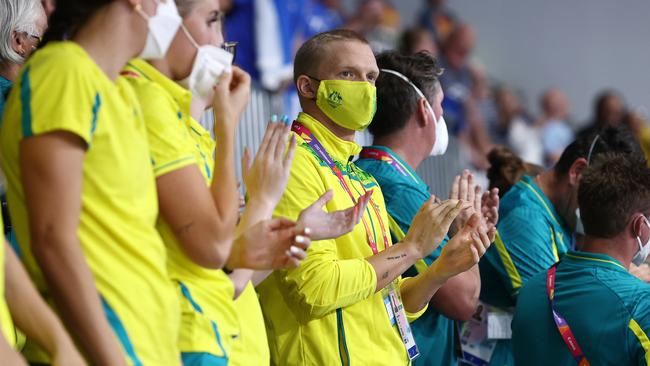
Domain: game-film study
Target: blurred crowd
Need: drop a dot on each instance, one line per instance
(481, 111)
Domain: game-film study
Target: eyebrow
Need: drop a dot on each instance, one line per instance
(357, 69)
(216, 14)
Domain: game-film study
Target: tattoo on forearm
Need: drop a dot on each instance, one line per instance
(396, 257)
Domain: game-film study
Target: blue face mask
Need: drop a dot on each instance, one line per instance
(644, 250)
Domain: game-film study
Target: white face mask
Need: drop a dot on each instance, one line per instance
(162, 29)
(210, 62)
(580, 229)
(442, 135)
(644, 250)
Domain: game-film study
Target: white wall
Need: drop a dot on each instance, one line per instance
(581, 46)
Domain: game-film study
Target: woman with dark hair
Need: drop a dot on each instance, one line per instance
(506, 169)
(81, 190)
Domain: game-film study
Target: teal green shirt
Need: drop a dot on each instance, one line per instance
(531, 237)
(434, 333)
(5, 86)
(607, 309)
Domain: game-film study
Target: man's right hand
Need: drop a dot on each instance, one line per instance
(431, 224)
(464, 250)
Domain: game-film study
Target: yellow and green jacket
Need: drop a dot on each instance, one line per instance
(326, 311)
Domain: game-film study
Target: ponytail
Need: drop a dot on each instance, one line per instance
(506, 169)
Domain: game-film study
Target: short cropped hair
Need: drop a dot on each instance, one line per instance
(17, 16)
(609, 139)
(310, 54)
(396, 99)
(610, 191)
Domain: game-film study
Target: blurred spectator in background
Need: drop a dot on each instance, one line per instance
(609, 110)
(378, 21)
(417, 39)
(640, 128)
(438, 19)
(555, 131)
(464, 119)
(278, 26)
(482, 95)
(457, 79)
(513, 128)
(239, 27)
(322, 16)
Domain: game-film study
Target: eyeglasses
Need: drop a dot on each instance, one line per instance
(230, 47)
(37, 38)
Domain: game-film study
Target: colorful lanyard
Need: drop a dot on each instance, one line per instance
(318, 148)
(561, 323)
(372, 153)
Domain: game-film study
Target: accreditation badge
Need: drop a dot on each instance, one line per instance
(397, 316)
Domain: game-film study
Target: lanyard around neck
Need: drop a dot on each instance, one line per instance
(376, 154)
(320, 151)
(560, 322)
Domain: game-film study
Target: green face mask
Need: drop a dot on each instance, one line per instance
(350, 104)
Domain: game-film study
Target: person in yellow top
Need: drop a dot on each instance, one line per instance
(22, 306)
(81, 189)
(347, 303)
(196, 223)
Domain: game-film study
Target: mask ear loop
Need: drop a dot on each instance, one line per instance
(591, 149)
(638, 237)
(138, 8)
(417, 90)
(189, 36)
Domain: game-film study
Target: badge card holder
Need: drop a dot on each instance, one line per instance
(397, 316)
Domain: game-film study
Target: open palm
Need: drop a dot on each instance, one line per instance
(331, 225)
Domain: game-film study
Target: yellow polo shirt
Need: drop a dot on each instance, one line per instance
(61, 88)
(209, 321)
(252, 347)
(6, 323)
(326, 311)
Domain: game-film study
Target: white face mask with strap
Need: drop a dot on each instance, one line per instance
(442, 135)
(210, 62)
(162, 29)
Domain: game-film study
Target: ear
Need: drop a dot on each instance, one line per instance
(305, 87)
(18, 43)
(575, 171)
(423, 115)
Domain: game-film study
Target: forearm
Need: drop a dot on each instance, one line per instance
(392, 262)
(224, 183)
(458, 297)
(254, 212)
(28, 310)
(417, 291)
(71, 285)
